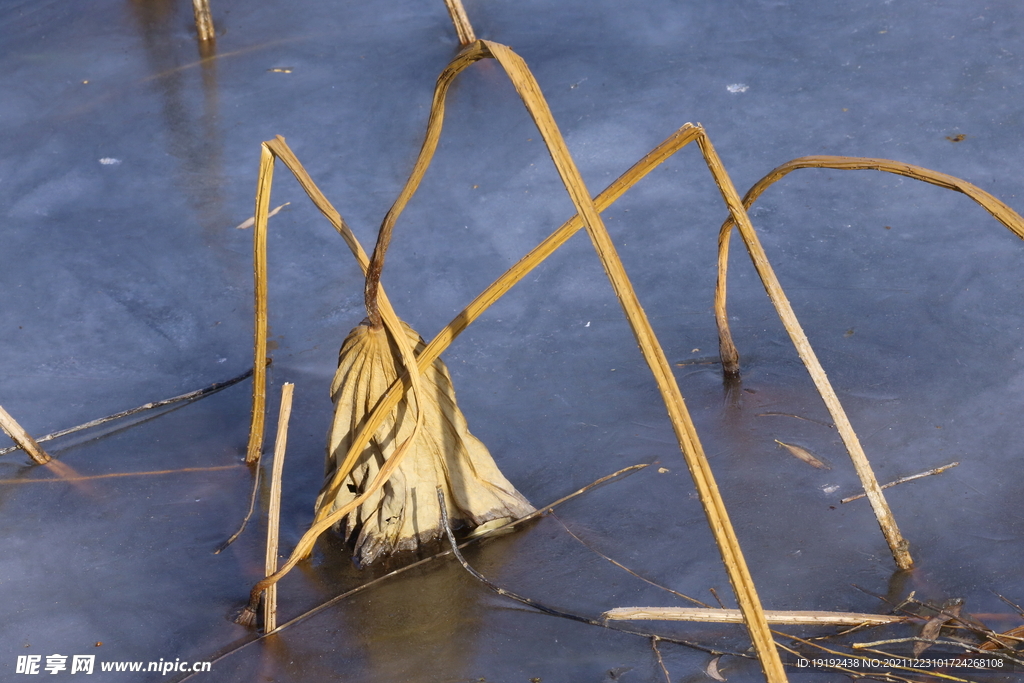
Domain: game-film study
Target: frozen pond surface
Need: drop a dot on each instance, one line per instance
(127, 161)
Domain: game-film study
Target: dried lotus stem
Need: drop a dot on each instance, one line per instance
(461, 21)
(734, 616)
(730, 359)
(22, 438)
(204, 21)
(707, 489)
(274, 516)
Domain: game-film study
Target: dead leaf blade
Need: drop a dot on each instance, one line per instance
(712, 670)
(248, 223)
(801, 453)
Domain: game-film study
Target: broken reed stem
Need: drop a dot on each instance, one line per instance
(274, 516)
(204, 20)
(903, 480)
(461, 21)
(734, 616)
(192, 395)
(22, 438)
(898, 546)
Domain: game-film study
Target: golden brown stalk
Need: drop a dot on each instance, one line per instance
(204, 21)
(714, 507)
(259, 247)
(1000, 211)
(274, 516)
(461, 21)
(734, 616)
(730, 359)
(270, 150)
(22, 438)
(898, 546)
(686, 433)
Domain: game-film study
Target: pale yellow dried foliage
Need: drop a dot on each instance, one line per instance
(404, 513)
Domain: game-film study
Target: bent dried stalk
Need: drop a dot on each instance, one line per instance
(898, 546)
(730, 358)
(686, 433)
(714, 507)
(999, 210)
(395, 331)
